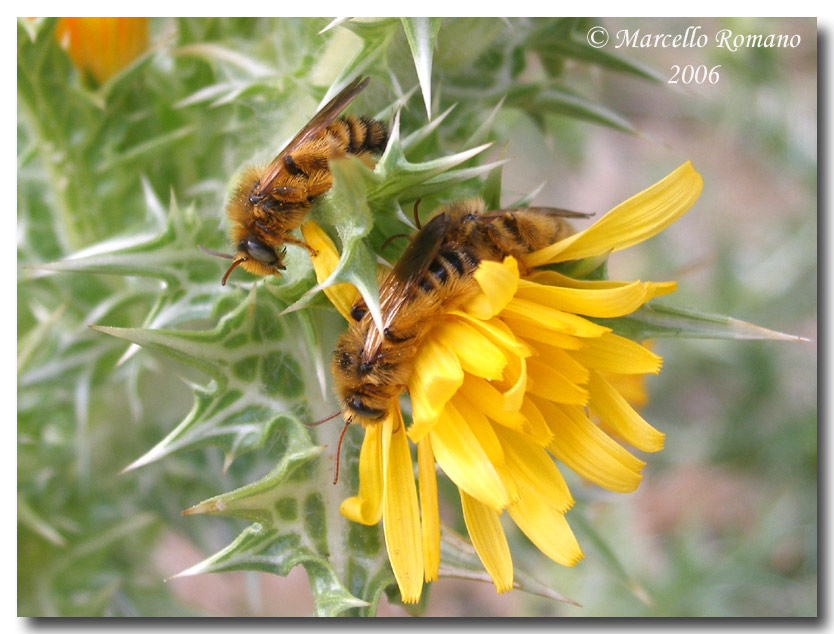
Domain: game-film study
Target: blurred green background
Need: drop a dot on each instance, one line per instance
(724, 523)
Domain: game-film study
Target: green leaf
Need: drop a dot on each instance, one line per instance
(397, 175)
(296, 521)
(216, 53)
(291, 525)
(258, 370)
(658, 320)
(459, 560)
(274, 551)
(345, 208)
(422, 35)
(553, 100)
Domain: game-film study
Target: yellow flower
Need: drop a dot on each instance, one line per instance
(506, 383)
(102, 46)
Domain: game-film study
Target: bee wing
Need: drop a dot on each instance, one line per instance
(419, 254)
(414, 262)
(550, 211)
(320, 120)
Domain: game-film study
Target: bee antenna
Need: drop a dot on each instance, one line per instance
(416, 216)
(396, 235)
(215, 253)
(230, 269)
(323, 420)
(339, 452)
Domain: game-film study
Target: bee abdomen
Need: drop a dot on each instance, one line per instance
(376, 134)
(448, 265)
(459, 260)
(359, 134)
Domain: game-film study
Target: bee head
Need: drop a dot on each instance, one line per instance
(357, 396)
(257, 258)
(359, 405)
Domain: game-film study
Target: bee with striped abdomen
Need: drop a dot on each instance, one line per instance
(435, 274)
(272, 201)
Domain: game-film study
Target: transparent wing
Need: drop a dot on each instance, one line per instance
(319, 122)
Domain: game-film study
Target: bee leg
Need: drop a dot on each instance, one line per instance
(498, 240)
(300, 243)
(416, 214)
(390, 335)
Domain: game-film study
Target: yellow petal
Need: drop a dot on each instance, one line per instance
(489, 541)
(430, 519)
(325, 262)
(497, 331)
(547, 529)
(515, 379)
(632, 387)
(488, 399)
(366, 507)
(596, 302)
(547, 382)
(631, 222)
(476, 353)
(464, 461)
(613, 353)
(435, 378)
(620, 418)
(534, 470)
(401, 514)
(498, 282)
(586, 449)
(552, 278)
(556, 320)
(532, 331)
(537, 429)
(557, 358)
(481, 427)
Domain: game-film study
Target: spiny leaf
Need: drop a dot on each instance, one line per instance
(397, 175)
(149, 148)
(492, 187)
(27, 516)
(657, 320)
(376, 35)
(482, 133)
(258, 371)
(444, 181)
(458, 559)
(215, 52)
(274, 551)
(425, 131)
(422, 35)
(170, 255)
(257, 501)
(539, 101)
(296, 521)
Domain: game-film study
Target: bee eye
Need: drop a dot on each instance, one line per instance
(360, 408)
(259, 250)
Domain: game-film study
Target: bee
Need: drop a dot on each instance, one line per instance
(435, 274)
(272, 201)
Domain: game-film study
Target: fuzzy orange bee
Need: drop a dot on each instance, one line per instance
(435, 274)
(272, 201)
